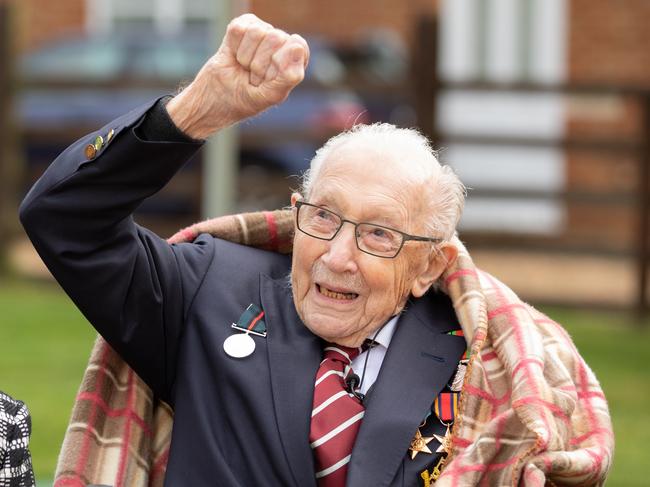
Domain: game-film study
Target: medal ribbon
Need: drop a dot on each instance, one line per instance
(445, 406)
(252, 320)
(459, 333)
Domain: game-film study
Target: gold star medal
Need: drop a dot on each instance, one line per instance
(419, 444)
(445, 441)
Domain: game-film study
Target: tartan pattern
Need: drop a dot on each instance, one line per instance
(531, 412)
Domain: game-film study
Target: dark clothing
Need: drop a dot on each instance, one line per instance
(16, 468)
(167, 309)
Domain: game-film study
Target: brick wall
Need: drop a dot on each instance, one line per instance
(609, 44)
(43, 21)
(609, 41)
(343, 20)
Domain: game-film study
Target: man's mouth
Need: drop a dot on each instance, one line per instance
(330, 293)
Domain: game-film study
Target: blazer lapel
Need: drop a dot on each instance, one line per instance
(294, 356)
(418, 363)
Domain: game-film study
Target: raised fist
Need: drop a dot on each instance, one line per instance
(255, 68)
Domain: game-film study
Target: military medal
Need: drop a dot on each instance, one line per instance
(445, 407)
(251, 322)
(419, 443)
(457, 382)
(239, 346)
(445, 441)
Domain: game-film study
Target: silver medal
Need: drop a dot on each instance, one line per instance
(459, 377)
(239, 345)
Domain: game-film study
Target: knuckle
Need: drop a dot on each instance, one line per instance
(276, 37)
(235, 28)
(298, 38)
(276, 58)
(248, 17)
(258, 65)
(256, 33)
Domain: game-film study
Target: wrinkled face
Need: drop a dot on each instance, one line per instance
(342, 294)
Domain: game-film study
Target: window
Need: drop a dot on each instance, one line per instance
(505, 41)
(158, 17)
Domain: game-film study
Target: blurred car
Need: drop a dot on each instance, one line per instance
(81, 83)
(76, 85)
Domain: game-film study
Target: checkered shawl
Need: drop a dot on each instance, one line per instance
(531, 411)
(15, 427)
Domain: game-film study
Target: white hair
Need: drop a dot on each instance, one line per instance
(445, 192)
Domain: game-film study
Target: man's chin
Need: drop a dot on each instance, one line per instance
(325, 327)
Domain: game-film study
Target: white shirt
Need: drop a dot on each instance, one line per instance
(375, 355)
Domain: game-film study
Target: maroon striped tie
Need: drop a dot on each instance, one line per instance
(335, 417)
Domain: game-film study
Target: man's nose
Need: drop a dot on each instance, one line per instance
(342, 249)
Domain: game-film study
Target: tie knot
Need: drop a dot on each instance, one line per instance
(343, 354)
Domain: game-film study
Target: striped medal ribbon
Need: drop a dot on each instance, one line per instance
(251, 322)
(445, 407)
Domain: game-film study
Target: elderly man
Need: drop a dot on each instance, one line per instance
(350, 374)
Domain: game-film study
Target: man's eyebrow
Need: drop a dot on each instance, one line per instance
(380, 215)
(384, 217)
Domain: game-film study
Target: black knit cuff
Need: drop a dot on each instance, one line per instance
(157, 125)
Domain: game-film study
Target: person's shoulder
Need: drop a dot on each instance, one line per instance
(242, 259)
(434, 303)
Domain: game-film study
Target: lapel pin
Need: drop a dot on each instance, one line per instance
(251, 322)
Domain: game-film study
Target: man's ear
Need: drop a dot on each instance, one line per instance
(294, 197)
(438, 262)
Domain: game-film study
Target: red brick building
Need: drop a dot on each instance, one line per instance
(595, 42)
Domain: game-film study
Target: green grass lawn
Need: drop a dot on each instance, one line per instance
(45, 344)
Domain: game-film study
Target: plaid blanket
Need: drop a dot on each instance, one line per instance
(531, 411)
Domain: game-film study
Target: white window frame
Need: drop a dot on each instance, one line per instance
(169, 16)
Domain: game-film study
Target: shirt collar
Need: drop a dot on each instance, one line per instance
(386, 332)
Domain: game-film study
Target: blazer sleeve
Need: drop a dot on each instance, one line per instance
(130, 284)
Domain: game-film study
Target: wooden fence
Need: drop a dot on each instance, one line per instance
(428, 87)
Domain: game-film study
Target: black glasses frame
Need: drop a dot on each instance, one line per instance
(405, 236)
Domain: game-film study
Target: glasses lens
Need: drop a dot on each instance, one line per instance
(318, 222)
(377, 240)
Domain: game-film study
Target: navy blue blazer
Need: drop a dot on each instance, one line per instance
(167, 309)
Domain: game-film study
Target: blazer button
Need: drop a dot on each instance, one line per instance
(90, 152)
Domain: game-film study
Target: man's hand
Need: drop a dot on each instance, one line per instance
(255, 68)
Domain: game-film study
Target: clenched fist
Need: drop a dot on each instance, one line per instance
(255, 68)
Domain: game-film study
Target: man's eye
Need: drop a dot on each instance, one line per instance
(323, 215)
(382, 235)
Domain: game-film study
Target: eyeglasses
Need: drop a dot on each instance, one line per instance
(377, 240)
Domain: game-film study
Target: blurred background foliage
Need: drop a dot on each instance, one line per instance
(541, 106)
